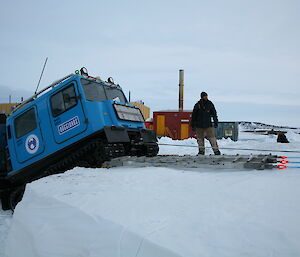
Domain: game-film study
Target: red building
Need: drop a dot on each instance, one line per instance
(174, 124)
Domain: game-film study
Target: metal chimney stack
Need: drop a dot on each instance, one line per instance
(181, 86)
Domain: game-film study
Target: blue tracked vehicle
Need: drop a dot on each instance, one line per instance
(78, 120)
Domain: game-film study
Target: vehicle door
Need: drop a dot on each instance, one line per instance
(66, 113)
(27, 136)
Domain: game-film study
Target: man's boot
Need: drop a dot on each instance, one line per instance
(201, 152)
(217, 152)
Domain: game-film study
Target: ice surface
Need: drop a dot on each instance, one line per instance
(161, 211)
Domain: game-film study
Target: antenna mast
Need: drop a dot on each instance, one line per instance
(41, 76)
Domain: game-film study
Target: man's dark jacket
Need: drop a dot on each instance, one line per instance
(202, 113)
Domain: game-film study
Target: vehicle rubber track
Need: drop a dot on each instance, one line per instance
(96, 152)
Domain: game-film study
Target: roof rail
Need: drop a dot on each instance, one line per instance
(40, 92)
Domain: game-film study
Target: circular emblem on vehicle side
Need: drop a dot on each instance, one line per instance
(32, 144)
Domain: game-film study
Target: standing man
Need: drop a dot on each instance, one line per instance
(201, 123)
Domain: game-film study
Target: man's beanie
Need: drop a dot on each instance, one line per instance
(203, 94)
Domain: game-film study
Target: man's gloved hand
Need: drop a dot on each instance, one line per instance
(216, 124)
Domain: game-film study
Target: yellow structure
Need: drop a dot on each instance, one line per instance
(184, 130)
(6, 107)
(161, 125)
(145, 109)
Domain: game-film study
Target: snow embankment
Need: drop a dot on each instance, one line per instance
(158, 212)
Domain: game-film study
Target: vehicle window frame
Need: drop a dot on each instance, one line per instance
(61, 92)
(19, 116)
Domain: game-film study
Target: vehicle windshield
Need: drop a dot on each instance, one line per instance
(96, 92)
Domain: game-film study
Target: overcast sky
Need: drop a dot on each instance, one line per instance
(244, 54)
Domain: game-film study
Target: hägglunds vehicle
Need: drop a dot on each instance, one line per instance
(78, 120)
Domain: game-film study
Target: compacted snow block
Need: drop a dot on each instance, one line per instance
(47, 227)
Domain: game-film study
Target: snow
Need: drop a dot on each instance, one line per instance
(5, 224)
(161, 211)
(246, 141)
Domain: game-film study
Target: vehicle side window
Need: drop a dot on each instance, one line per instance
(70, 99)
(57, 104)
(25, 123)
(63, 100)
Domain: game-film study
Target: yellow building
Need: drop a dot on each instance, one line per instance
(7, 108)
(144, 109)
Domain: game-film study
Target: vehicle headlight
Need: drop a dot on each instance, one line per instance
(129, 113)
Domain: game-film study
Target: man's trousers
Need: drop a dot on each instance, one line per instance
(209, 134)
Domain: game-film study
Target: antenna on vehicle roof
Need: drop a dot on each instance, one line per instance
(41, 76)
